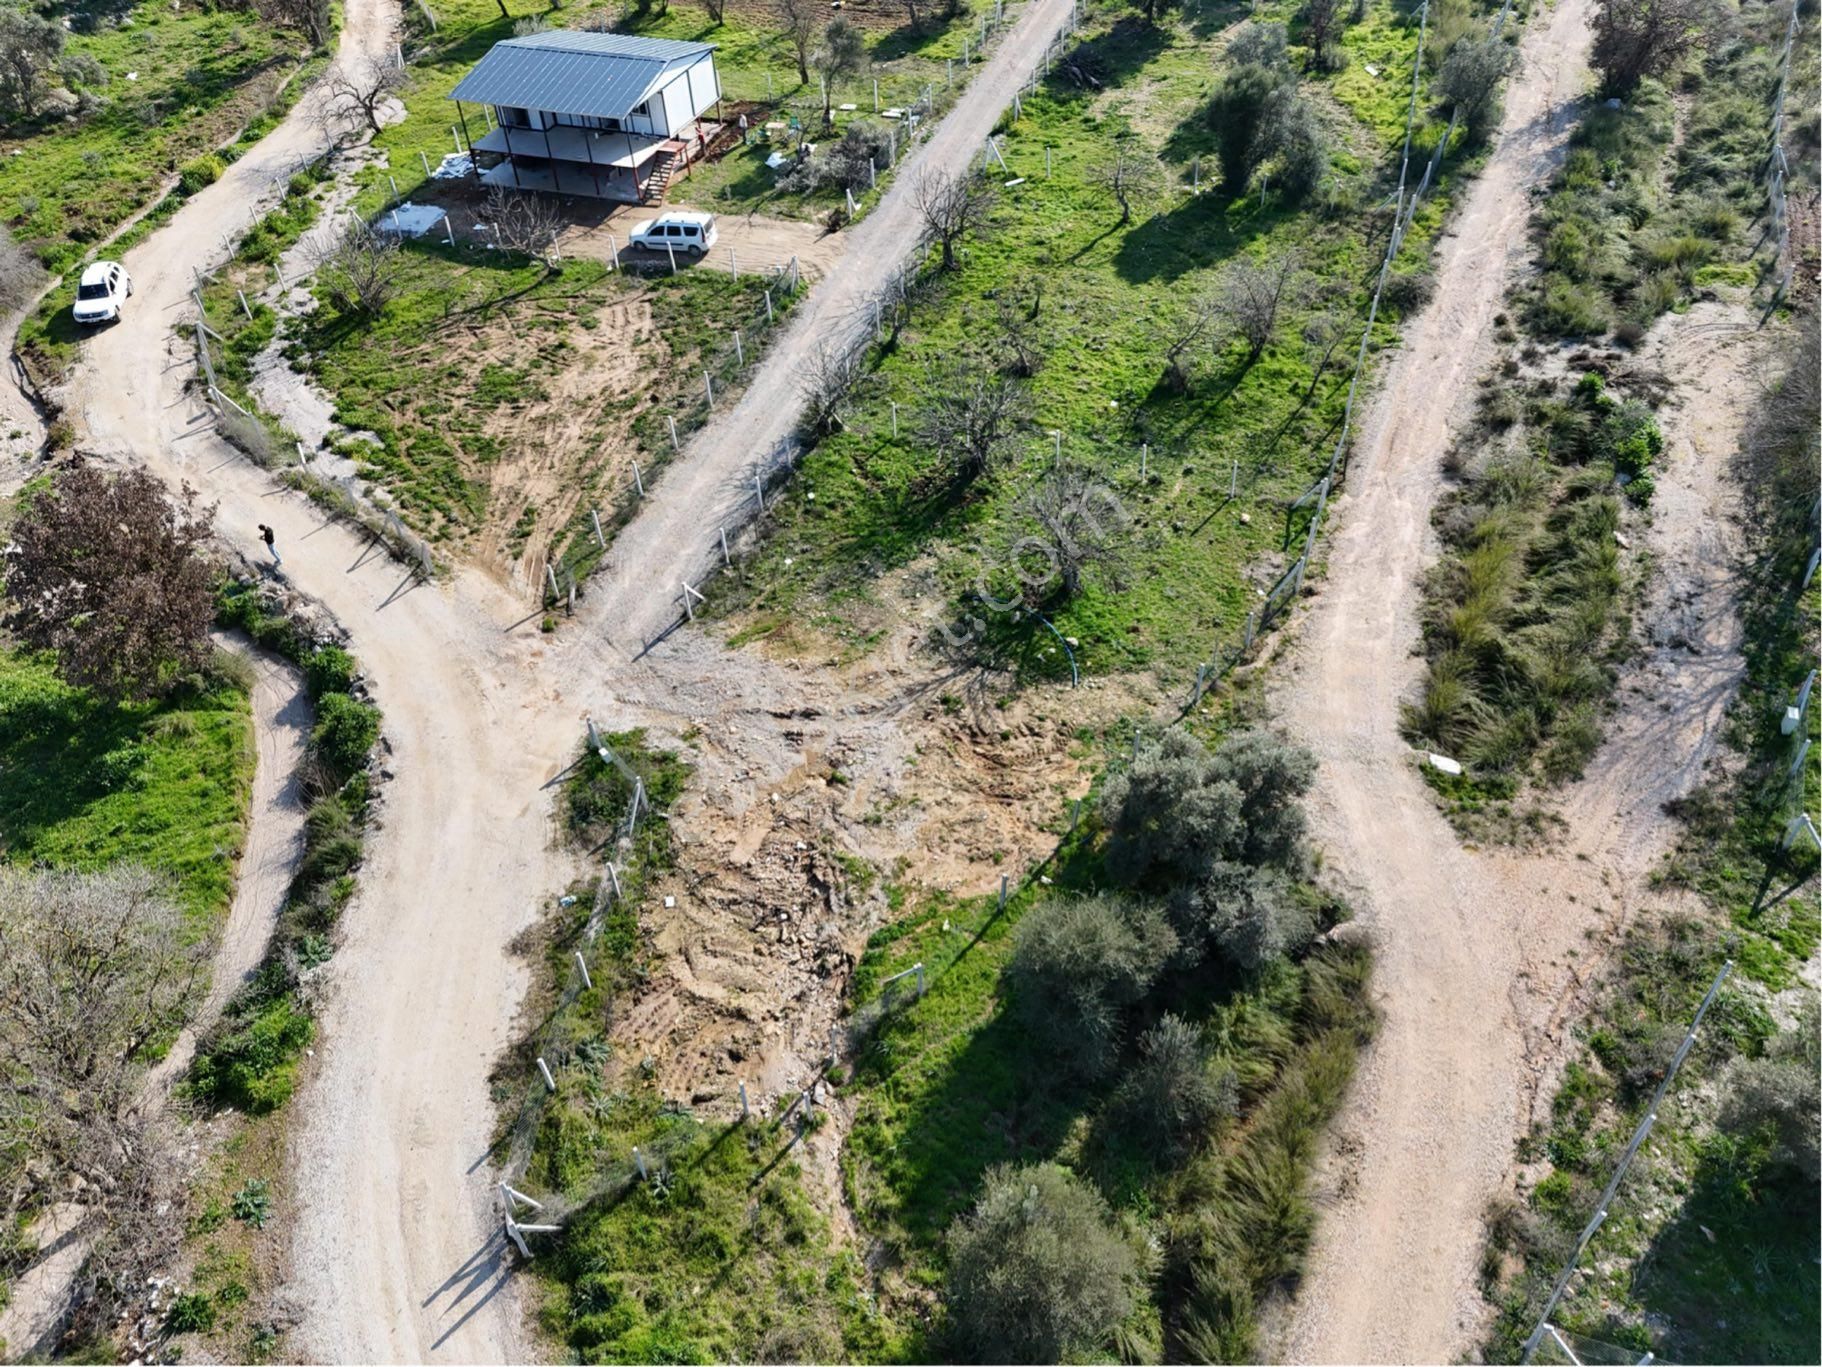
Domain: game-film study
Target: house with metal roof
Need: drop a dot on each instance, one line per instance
(609, 115)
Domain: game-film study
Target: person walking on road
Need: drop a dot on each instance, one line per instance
(266, 535)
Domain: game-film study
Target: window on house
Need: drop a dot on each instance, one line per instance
(512, 116)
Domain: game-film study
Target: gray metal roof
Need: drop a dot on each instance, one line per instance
(604, 74)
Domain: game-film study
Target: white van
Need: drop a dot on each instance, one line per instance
(678, 230)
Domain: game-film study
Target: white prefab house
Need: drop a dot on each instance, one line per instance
(602, 114)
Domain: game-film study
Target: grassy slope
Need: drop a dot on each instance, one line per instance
(1107, 290)
(200, 74)
(949, 1084)
(84, 783)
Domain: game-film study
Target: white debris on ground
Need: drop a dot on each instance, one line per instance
(408, 219)
(454, 166)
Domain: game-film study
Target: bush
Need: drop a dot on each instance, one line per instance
(1217, 834)
(345, 732)
(1037, 1270)
(1567, 309)
(1629, 436)
(329, 669)
(253, 1068)
(201, 173)
(1171, 1096)
(1076, 964)
(1779, 1094)
(190, 1313)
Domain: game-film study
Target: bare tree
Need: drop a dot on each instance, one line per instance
(94, 966)
(717, 10)
(1131, 174)
(840, 56)
(358, 269)
(524, 222)
(1249, 298)
(1076, 523)
(952, 204)
(1183, 339)
(828, 381)
(800, 20)
(109, 572)
(1020, 342)
(312, 18)
(1634, 39)
(969, 416)
(354, 97)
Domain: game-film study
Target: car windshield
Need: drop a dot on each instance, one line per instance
(96, 291)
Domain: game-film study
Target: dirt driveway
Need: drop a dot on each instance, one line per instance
(749, 242)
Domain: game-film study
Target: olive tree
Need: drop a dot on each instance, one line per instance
(109, 572)
(1077, 963)
(1220, 835)
(840, 56)
(29, 48)
(1469, 83)
(1038, 1270)
(1172, 1095)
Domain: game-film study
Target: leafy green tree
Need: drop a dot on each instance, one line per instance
(1219, 835)
(1237, 112)
(29, 48)
(1172, 1096)
(1077, 963)
(1038, 1271)
(841, 56)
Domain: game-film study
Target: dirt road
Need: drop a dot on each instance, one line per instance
(1480, 956)
(635, 593)
(395, 1252)
(275, 829)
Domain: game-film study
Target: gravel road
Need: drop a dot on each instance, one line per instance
(395, 1251)
(635, 594)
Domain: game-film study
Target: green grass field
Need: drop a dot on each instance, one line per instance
(85, 783)
(1111, 294)
(181, 80)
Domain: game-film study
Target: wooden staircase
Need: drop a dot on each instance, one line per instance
(660, 179)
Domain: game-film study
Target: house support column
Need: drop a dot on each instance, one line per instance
(474, 162)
